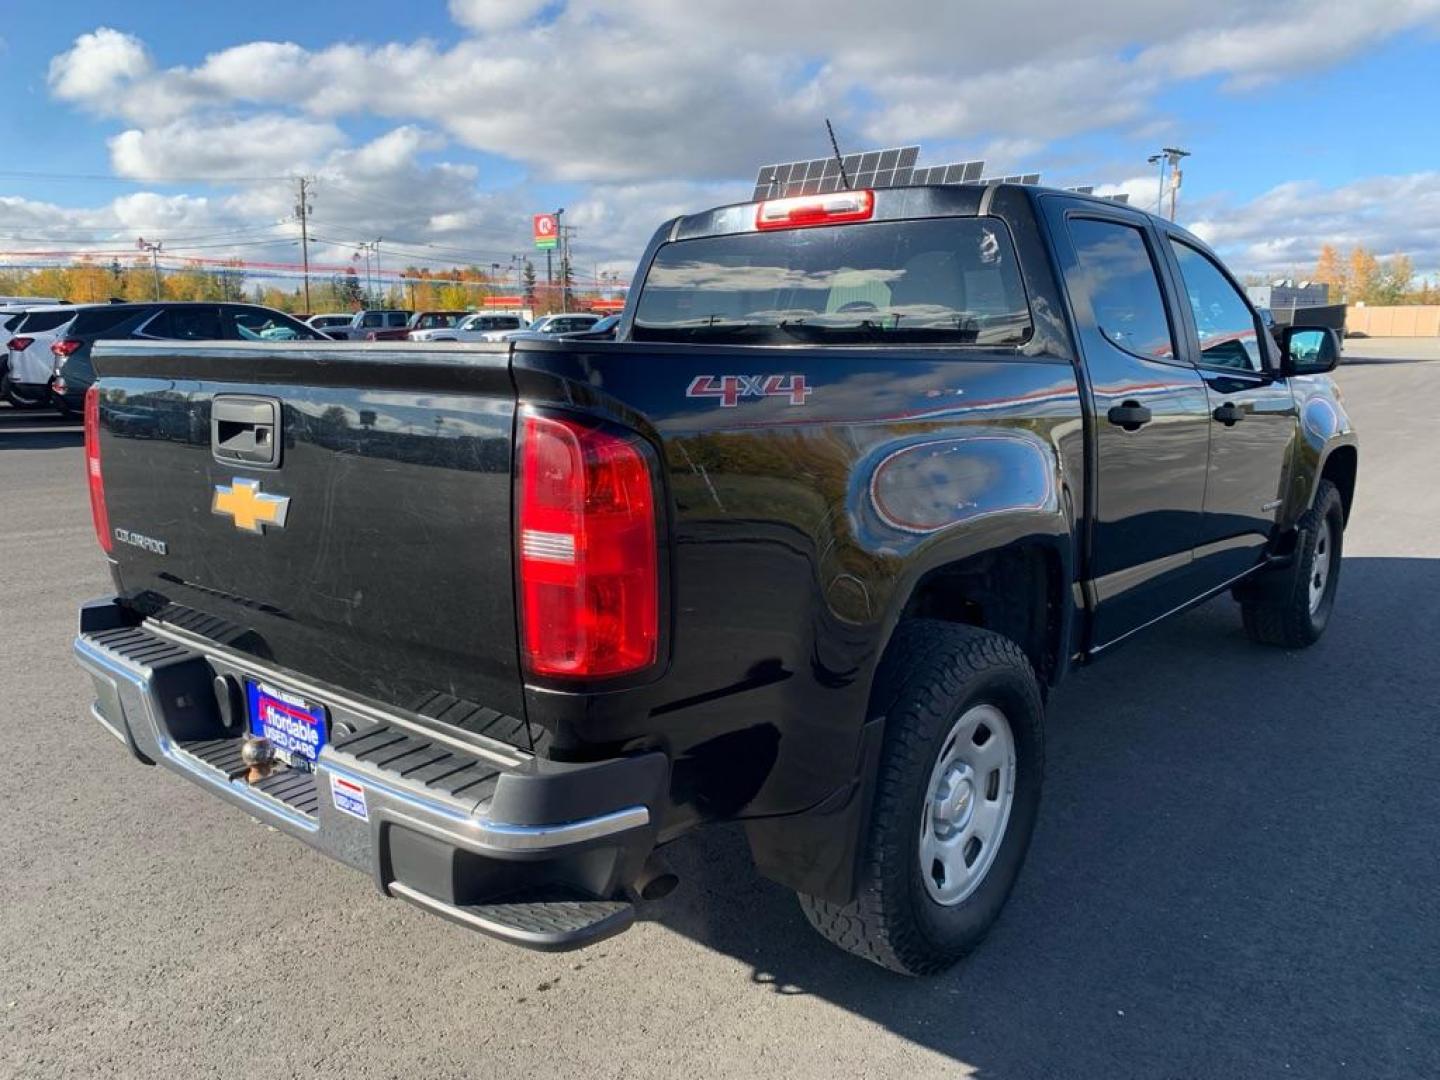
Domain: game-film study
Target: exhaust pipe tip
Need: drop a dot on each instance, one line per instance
(656, 880)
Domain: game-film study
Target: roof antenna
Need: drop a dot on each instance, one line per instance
(838, 159)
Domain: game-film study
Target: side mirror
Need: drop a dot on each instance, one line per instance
(1309, 350)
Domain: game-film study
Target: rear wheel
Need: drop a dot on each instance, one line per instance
(1291, 607)
(19, 398)
(955, 800)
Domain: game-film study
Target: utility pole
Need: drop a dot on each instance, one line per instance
(368, 248)
(549, 273)
(518, 262)
(302, 208)
(379, 281)
(154, 249)
(1173, 155)
(567, 268)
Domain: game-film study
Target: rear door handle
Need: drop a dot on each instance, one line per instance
(1228, 414)
(1130, 415)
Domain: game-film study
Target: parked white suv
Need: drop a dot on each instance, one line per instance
(482, 326)
(29, 361)
(566, 322)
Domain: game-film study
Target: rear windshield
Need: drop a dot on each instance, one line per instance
(934, 281)
(37, 322)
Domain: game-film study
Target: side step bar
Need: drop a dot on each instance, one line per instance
(550, 921)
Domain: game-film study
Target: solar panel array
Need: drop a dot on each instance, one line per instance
(819, 176)
(958, 172)
(882, 169)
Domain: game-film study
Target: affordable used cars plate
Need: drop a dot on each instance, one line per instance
(294, 726)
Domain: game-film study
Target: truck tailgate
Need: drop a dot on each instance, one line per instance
(373, 554)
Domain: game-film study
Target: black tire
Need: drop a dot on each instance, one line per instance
(16, 398)
(934, 672)
(1276, 607)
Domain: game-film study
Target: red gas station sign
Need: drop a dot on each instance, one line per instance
(547, 230)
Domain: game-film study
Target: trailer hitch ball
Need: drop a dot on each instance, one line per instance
(259, 756)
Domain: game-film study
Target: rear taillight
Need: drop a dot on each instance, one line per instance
(98, 514)
(589, 570)
(64, 347)
(801, 211)
(19, 344)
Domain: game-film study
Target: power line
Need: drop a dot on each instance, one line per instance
(101, 177)
(240, 230)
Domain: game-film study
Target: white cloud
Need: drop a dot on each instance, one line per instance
(657, 107)
(488, 16)
(1284, 228)
(262, 145)
(97, 66)
(640, 90)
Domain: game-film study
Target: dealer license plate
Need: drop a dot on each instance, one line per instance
(294, 726)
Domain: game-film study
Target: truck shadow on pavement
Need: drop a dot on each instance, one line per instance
(39, 429)
(1233, 875)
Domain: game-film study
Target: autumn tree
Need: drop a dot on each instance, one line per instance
(1330, 270)
(1393, 281)
(1362, 276)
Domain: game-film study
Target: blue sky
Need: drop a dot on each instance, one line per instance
(443, 126)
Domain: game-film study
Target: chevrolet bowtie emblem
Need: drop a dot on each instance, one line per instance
(251, 508)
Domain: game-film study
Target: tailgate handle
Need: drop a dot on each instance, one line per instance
(245, 430)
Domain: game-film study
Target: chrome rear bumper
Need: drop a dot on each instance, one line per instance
(535, 852)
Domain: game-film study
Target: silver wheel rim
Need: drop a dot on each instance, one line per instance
(1320, 566)
(967, 804)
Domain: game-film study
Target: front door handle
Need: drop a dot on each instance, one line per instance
(1228, 414)
(1130, 415)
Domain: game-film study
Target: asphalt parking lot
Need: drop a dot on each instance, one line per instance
(1235, 873)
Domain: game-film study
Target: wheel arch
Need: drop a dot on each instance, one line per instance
(1341, 466)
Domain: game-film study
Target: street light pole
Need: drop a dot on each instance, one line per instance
(154, 249)
(1160, 193)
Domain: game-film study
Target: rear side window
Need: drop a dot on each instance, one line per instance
(1117, 275)
(371, 318)
(184, 324)
(397, 318)
(263, 324)
(37, 322)
(99, 322)
(1226, 325)
(936, 281)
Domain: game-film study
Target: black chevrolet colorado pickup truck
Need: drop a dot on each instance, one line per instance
(861, 477)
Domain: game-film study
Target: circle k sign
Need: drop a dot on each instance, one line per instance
(546, 230)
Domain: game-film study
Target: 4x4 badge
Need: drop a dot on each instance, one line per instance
(250, 508)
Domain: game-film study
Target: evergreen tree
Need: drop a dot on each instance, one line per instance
(527, 277)
(351, 294)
